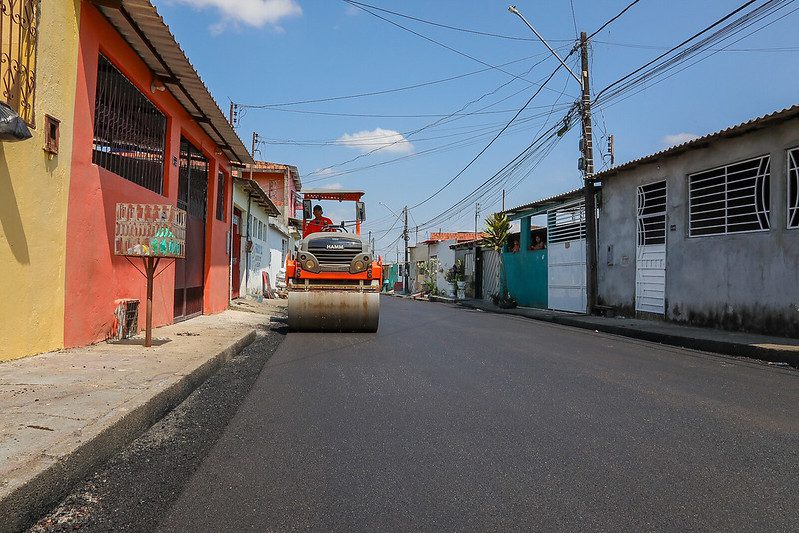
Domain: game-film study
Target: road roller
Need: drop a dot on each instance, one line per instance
(333, 277)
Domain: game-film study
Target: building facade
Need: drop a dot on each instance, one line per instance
(707, 233)
(117, 115)
(35, 181)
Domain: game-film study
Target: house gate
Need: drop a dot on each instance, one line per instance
(650, 254)
(490, 277)
(566, 286)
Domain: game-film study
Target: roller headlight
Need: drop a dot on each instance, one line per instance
(310, 264)
(358, 265)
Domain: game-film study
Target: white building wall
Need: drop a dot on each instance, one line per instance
(267, 253)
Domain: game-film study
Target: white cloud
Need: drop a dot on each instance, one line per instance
(322, 172)
(255, 13)
(386, 140)
(679, 138)
(333, 186)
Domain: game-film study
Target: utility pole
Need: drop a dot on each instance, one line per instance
(476, 238)
(588, 181)
(612, 150)
(586, 162)
(405, 272)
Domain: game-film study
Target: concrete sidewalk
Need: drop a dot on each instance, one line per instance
(63, 413)
(766, 348)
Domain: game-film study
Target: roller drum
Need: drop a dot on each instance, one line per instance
(344, 311)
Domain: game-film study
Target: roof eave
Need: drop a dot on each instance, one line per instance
(139, 23)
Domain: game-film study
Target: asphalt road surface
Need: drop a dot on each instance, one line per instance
(450, 419)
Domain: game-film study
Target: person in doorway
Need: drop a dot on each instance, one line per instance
(514, 246)
(318, 222)
(538, 243)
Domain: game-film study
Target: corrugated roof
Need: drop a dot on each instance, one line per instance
(143, 28)
(254, 189)
(733, 131)
(279, 167)
(546, 201)
(453, 236)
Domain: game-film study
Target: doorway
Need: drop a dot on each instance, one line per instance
(193, 198)
(236, 252)
(650, 252)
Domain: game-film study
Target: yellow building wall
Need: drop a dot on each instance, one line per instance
(33, 198)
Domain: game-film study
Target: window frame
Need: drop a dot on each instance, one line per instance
(22, 93)
(789, 207)
(726, 232)
(221, 191)
(96, 154)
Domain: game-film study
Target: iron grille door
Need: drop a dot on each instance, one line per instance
(566, 271)
(193, 197)
(793, 188)
(650, 255)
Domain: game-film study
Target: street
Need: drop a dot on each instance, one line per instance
(450, 419)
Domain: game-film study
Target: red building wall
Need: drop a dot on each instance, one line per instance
(95, 278)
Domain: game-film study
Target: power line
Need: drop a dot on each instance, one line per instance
(612, 20)
(439, 121)
(383, 91)
(683, 43)
(448, 27)
(481, 152)
(725, 49)
(438, 43)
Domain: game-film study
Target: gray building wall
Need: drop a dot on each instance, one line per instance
(747, 281)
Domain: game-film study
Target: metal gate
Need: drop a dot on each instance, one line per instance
(490, 278)
(193, 197)
(650, 253)
(566, 270)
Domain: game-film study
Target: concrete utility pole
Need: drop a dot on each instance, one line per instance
(612, 150)
(474, 244)
(588, 181)
(586, 162)
(405, 272)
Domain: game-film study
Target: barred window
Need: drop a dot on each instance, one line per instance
(730, 199)
(566, 223)
(192, 180)
(129, 131)
(652, 214)
(220, 196)
(19, 34)
(793, 188)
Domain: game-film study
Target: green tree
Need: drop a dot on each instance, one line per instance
(497, 231)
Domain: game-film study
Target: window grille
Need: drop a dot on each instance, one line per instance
(19, 34)
(192, 180)
(652, 214)
(566, 223)
(793, 188)
(730, 199)
(220, 196)
(129, 131)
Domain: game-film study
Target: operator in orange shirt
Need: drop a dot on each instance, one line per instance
(318, 222)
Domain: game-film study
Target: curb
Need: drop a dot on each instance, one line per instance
(20, 509)
(760, 353)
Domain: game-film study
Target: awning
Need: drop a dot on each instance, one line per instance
(258, 195)
(143, 28)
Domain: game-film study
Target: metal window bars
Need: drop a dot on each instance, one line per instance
(220, 196)
(19, 35)
(793, 188)
(652, 214)
(129, 131)
(192, 180)
(730, 199)
(566, 223)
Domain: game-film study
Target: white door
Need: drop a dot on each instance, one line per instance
(650, 254)
(490, 264)
(566, 258)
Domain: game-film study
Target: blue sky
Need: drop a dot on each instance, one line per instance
(267, 52)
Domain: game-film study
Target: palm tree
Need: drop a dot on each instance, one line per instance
(497, 230)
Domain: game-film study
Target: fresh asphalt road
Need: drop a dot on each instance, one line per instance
(451, 419)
